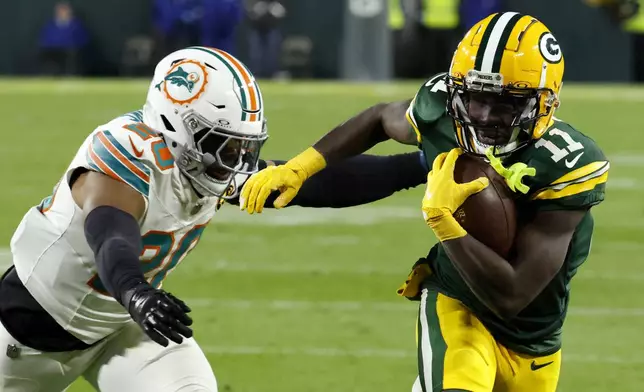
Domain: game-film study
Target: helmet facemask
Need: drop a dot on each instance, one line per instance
(488, 113)
(220, 160)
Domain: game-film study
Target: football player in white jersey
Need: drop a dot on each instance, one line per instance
(84, 297)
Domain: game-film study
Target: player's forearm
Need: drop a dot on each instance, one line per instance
(354, 136)
(115, 238)
(490, 277)
(355, 181)
(361, 180)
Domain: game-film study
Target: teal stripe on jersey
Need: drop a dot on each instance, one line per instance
(103, 161)
(136, 115)
(136, 162)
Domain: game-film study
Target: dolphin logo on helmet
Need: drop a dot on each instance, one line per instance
(208, 107)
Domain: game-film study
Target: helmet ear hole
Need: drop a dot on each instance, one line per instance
(167, 124)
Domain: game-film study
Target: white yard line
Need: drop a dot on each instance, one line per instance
(400, 270)
(571, 92)
(635, 159)
(5, 258)
(308, 351)
(303, 268)
(334, 352)
(298, 216)
(627, 184)
(403, 306)
(366, 215)
(302, 305)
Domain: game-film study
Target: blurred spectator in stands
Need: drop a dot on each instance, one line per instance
(220, 22)
(631, 15)
(178, 24)
(619, 10)
(473, 11)
(264, 37)
(61, 41)
(441, 34)
(181, 23)
(425, 35)
(405, 22)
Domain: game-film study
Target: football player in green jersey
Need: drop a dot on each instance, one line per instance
(485, 323)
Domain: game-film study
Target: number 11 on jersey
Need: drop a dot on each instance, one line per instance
(560, 153)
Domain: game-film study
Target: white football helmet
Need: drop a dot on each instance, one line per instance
(208, 107)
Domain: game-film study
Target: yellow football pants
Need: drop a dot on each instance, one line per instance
(456, 352)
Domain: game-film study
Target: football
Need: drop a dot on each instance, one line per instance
(490, 216)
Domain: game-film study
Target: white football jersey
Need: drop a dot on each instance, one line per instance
(51, 254)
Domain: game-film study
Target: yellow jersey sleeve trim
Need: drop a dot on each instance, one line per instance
(570, 190)
(582, 172)
(412, 121)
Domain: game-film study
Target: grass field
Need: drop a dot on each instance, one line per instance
(304, 300)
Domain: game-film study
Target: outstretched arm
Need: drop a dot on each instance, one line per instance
(370, 127)
(354, 136)
(358, 180)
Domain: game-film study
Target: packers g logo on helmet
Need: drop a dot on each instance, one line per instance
(516, 59)
(549, 48)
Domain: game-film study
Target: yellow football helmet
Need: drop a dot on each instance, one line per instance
(513, 59)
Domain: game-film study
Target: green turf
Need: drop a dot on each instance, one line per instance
(304, 300)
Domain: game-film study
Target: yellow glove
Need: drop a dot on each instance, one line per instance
(288, 179)
(411, 287)
(443, 196)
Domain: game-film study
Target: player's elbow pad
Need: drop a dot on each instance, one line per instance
(115, 238)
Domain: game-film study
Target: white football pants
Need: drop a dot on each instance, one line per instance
(127, 361)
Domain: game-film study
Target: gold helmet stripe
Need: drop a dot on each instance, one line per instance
(494, 40)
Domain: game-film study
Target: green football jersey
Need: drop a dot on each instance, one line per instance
(571, 173)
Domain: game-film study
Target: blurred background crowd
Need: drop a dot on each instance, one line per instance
(304, 299)
(351, 39)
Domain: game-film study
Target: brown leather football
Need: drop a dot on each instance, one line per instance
(490, 216)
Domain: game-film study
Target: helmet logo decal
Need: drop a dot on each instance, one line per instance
(549, 48)
(245, 87)
(520, 85)
(184, 82)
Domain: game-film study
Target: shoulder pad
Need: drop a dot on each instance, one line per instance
(129, 152)
(571, 168)
(135, 116)
(428, 105)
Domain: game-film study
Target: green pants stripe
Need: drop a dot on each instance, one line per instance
(431, 345)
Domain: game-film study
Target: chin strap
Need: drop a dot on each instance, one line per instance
(514, 174)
